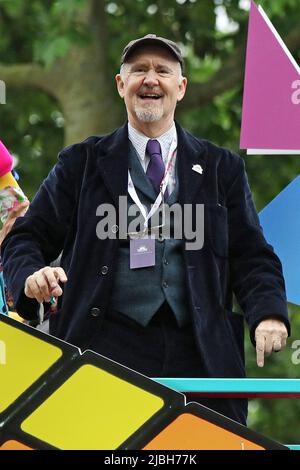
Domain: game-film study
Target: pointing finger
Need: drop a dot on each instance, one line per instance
(260, 350)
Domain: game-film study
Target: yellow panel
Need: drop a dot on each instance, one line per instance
(23, 358)
(93, 409)
(15, 316)
(189, 432)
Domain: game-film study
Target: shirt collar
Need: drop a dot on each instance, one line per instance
(140, 140)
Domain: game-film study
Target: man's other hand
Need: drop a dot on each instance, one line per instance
(270, 335)
(44, 284)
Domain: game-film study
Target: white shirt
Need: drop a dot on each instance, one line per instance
(139, 141)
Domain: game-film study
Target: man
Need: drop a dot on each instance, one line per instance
(172, 315)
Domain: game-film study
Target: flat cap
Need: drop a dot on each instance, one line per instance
(152, 39)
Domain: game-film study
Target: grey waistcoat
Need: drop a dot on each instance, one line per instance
(138, 293)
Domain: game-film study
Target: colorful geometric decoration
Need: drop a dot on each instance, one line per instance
(14, 445)
(26, 357)
(197, 427)
(280, 220)
(90, 402)
(95, 404)
(234, 388)
(271, 103)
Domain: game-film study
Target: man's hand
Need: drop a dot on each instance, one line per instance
(13, 214)
(270, 335)
(44, 284)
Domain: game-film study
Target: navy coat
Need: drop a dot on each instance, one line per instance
(235, 257)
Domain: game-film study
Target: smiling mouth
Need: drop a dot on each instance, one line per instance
(150, 97)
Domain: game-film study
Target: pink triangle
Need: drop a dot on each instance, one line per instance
(6, 160)
(270, 119)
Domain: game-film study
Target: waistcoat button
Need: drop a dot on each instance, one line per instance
(95, 312)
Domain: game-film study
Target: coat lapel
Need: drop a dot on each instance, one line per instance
(190, 152)
(112, 154)
(139, 178)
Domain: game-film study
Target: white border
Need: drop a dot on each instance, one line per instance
(272, 152)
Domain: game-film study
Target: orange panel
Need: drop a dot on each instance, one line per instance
(14, 445)
(189, 432)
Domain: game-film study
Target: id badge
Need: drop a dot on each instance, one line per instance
(142, 252)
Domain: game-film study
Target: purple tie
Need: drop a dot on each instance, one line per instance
(156, 168)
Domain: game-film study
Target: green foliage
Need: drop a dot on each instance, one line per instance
(34, 136)
(41, 31)
(63, 30)
(279, 8)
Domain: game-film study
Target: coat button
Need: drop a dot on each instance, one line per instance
(165, 284)
(104, 270)
(95, 312)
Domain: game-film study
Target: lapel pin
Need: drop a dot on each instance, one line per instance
(198, 169)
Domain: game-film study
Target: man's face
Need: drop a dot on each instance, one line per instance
(151, 85)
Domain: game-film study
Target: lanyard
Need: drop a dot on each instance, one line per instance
(133, 194)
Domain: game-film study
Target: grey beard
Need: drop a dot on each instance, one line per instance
(149, 115)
